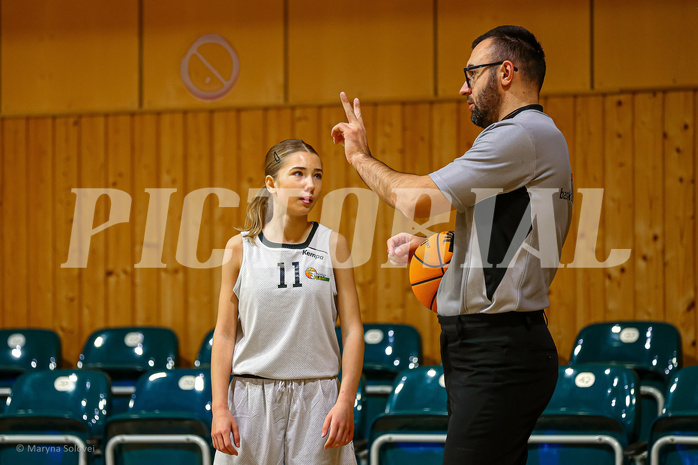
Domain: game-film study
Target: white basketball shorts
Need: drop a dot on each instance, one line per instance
(280, 423)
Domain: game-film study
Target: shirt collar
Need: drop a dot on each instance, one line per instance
(533, 106)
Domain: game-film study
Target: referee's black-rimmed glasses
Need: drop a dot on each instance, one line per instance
(469, 71)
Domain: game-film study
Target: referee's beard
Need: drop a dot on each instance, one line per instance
(486, 107)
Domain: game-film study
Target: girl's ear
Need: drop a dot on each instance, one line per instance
(270, 183)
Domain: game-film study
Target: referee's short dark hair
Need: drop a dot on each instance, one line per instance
(521, 47)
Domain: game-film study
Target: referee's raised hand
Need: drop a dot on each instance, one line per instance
(351, 134)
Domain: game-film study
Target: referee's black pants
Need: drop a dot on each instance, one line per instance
(500, 373)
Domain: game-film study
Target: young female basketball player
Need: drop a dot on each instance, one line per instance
(285, 280)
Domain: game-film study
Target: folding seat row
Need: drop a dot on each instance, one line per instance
(650, 352)
(26, 349)
(595, 415)
(123, 353)
(64, 417)
(652, 349)
(412, 428)
(607, 401)
(674, 435)
(132, 409)
(592, 418)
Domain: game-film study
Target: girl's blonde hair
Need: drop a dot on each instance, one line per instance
(260, 210)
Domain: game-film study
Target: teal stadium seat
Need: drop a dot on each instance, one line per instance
(652, 349)
(203, 358)
(24, 349)
(55, 417)
(360, 410)
(591, 418)
(126, 353)
(168, 421)
(674, 438)
(389, 349)
(412, 430)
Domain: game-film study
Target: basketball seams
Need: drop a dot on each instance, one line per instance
(432, 306)
(438, 249)
(426, 265)
(427, 278)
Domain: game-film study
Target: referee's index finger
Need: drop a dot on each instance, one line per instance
(348, 110)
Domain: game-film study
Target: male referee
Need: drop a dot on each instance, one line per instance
(513, 195)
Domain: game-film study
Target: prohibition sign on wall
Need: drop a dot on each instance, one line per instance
(210, 67)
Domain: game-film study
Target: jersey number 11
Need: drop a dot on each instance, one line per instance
(282, 275)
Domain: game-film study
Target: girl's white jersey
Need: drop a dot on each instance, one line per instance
(287, 309)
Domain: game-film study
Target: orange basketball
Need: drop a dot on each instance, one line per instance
(428, 265)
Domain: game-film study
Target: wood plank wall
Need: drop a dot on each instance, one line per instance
(82, 56)
(638, 147)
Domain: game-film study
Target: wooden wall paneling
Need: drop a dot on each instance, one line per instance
(3, 201)
(15, 225)
(679, 220)
(365, 274)
(67, 280)
(120, 257)
(278, 126)
(146, 280)
(335, 168)
(226, 170)
(364, 211)
(40, 240)
(251, 151)
(445, 128)
(418, 139)
(589, 173)
(92, 164)
(563, 29)
(695, 165)
(618, 204)
(335, 165)
(467, 131)
(562, 295)
(649, 206)
(70, 56)
(305, 124)
(390, 296)
(254, 30)
(172, 286)
(200, 307)
(630, 32)
(373, 50)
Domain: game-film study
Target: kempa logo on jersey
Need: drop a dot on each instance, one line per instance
(312, 255)
(312, 273)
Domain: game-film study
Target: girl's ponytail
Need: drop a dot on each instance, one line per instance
(258, 213)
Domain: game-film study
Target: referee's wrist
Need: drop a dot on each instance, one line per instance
(360, 157)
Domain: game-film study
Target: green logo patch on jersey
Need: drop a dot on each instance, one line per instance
(312, 273)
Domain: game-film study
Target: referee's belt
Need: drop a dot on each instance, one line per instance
(528, 319)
